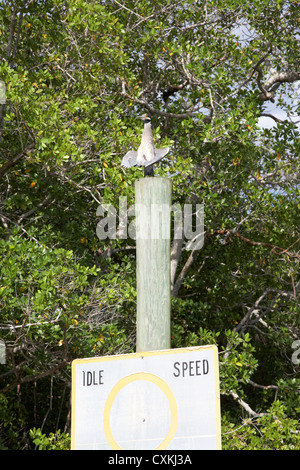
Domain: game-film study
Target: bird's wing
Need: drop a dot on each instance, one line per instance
(159, 154)
(129, 159)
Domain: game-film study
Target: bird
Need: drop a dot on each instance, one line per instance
(147, 154)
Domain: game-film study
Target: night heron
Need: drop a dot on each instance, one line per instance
(146, 154)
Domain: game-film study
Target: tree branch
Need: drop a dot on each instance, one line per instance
(152, 110)
(184, 271)
(15, 160)
(276, 119)
(246, 406)
(282, 77)
(11, 32)
(268, 245)
(33, 378)
(39, 206)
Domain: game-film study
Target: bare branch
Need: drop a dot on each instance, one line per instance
(276, 119)
(282, 77)
(33, 378)
(11, 32)
(184, 271)
(246, 406)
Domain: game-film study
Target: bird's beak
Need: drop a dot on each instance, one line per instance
(143, 116)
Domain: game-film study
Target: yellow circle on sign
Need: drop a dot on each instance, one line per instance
(164, 388)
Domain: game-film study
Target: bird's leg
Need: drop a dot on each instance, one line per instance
(148, 171)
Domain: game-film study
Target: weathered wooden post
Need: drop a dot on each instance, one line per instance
(152, 205)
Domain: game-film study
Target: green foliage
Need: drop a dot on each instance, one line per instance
(76, 75)
(273, 431)
(57, 441)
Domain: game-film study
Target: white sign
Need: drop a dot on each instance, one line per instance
(152, 400)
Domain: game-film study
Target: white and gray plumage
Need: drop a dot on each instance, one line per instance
(146, 154)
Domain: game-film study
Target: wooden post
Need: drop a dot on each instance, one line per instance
(152, 205)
